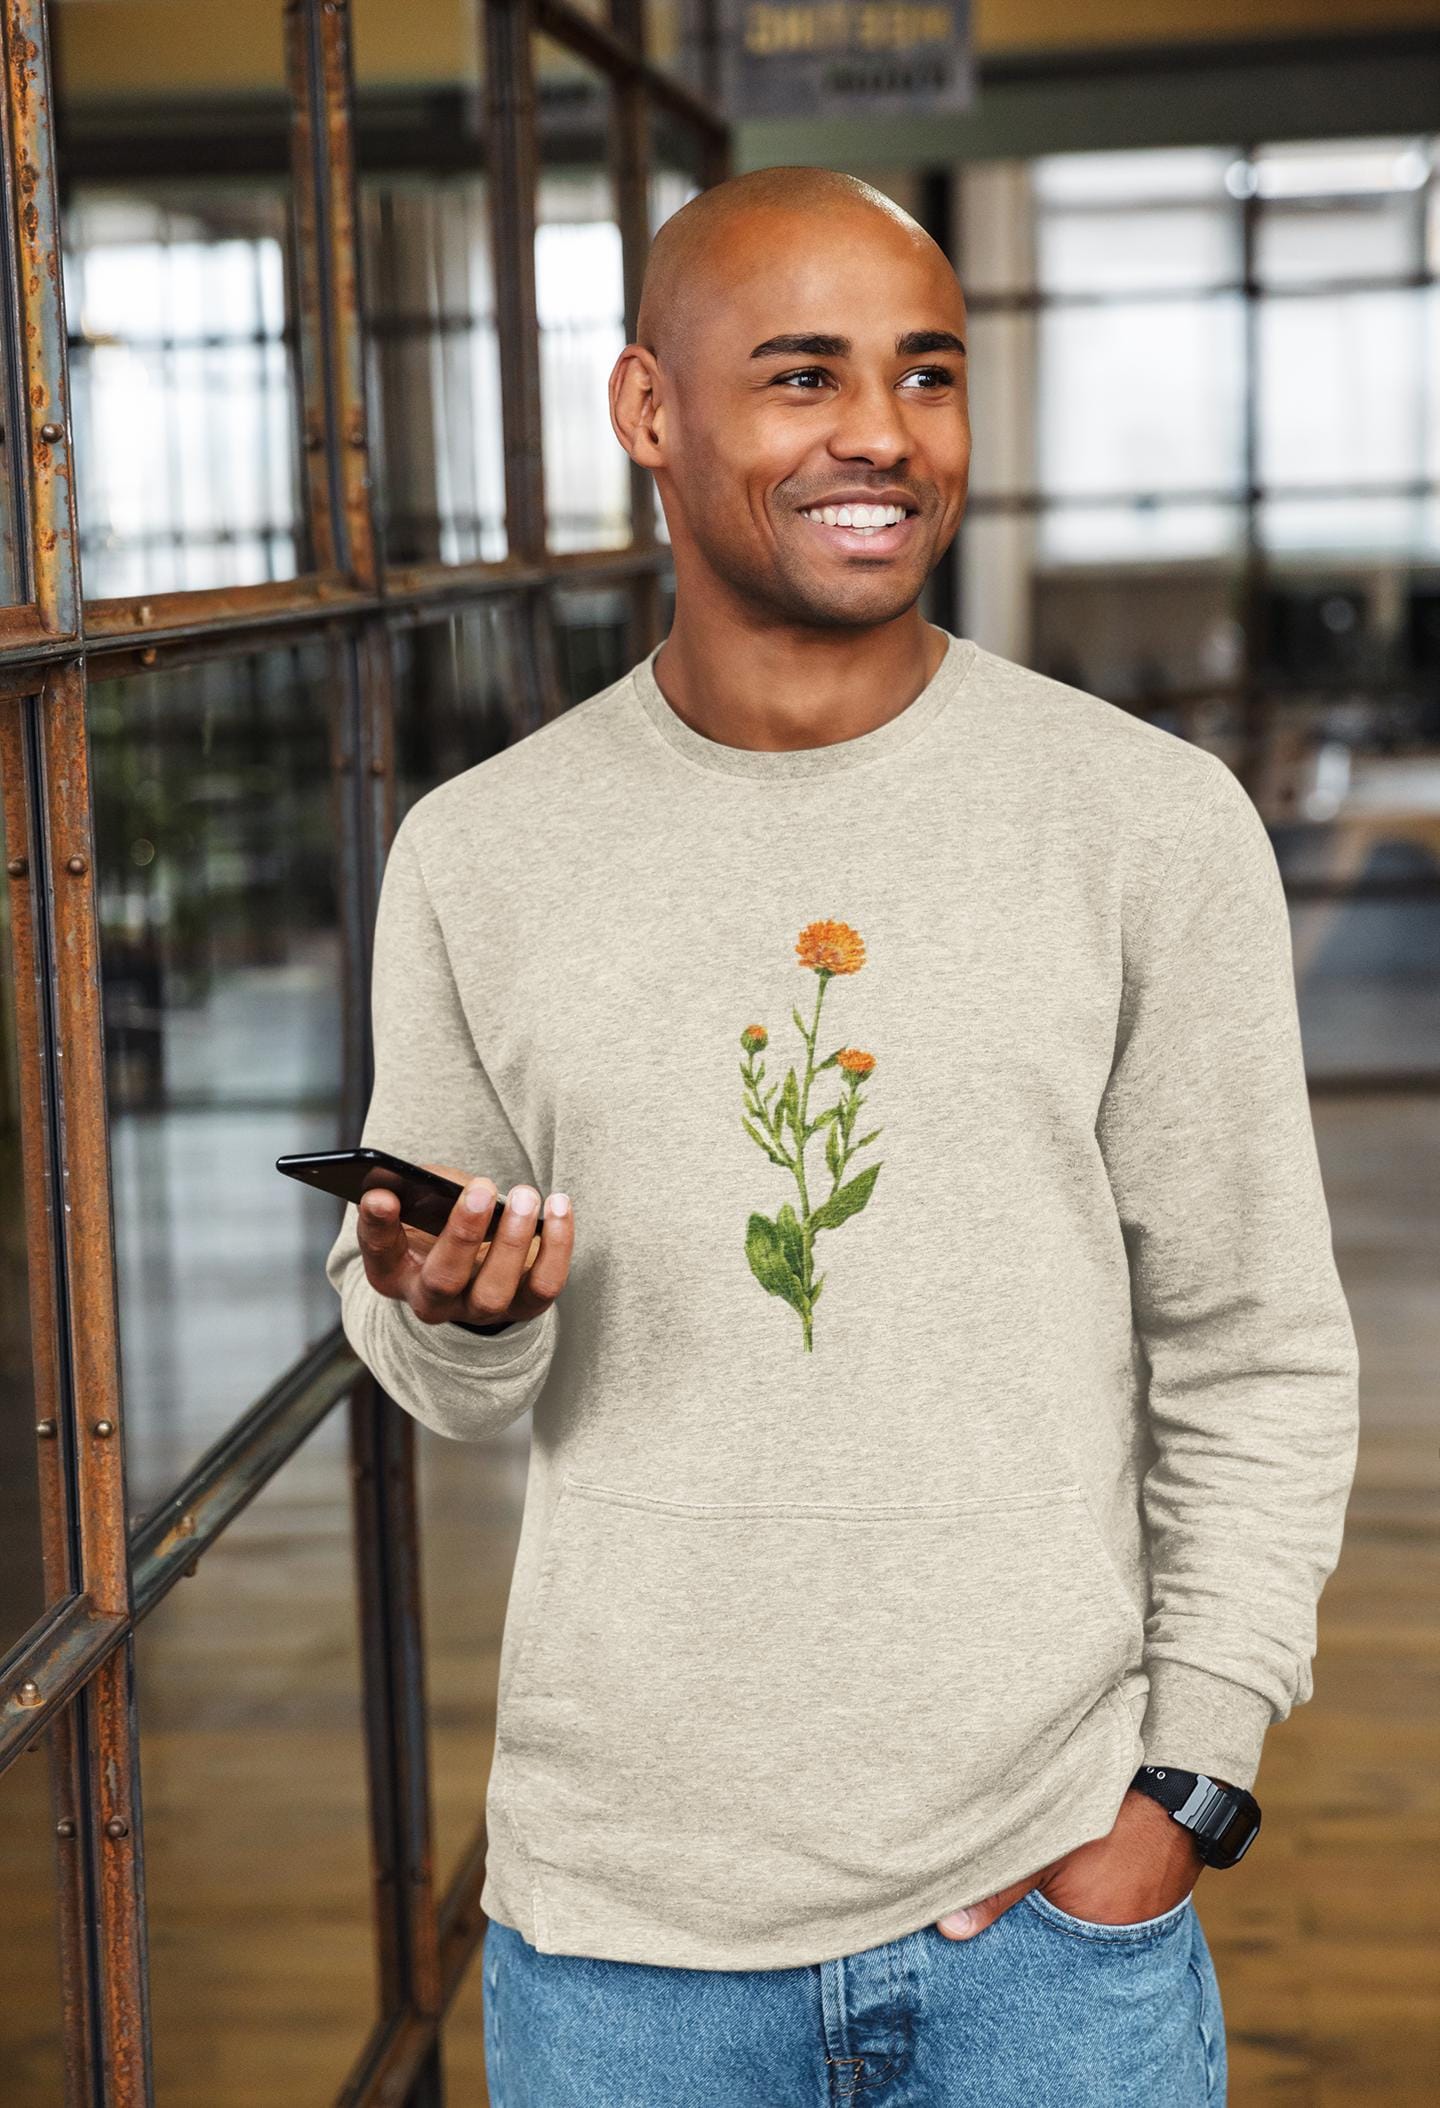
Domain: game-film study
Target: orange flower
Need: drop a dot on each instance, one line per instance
(753, 1038)
(831, 947)
(855, 1062)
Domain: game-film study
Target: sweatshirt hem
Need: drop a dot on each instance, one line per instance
(513, 1892)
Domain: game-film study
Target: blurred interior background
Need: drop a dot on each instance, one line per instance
(1200, 242)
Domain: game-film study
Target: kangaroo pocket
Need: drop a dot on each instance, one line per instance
(785, 1701)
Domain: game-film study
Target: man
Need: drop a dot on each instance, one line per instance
(944, 1397)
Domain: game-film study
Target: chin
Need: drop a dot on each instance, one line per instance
(863, 605)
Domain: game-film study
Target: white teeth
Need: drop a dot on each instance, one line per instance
(860, 519)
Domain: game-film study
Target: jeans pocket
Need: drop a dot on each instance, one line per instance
(1155, 1928)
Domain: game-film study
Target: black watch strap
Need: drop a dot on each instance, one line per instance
(1223, 1820)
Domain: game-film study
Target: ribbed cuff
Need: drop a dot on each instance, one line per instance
(463, 1346)
(1201, 1722)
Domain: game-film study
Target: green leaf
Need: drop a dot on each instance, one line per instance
(829, 1061)
(832, 1153)
(755, 1135)
(800, 1024)
(815, 1291)
(847, 1202)
(870, 1137)
(768, 1264)
(792, 1243)
(831, 1112)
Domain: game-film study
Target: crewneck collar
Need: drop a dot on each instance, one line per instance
(790, 763)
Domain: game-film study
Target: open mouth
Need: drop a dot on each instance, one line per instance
(862, 530)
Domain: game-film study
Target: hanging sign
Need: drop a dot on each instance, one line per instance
(834, 58)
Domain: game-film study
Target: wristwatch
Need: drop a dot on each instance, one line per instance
(1222, 1819)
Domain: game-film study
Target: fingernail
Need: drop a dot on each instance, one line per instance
(523, 1200)
(955, 1921)
(559, 1204)
(476, 1196)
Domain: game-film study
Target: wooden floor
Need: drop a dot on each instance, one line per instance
(1326, 1939)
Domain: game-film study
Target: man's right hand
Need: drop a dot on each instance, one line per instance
(454, 1278)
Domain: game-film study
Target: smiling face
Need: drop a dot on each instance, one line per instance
(806, 413)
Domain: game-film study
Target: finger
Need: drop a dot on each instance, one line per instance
(384, 1247)
(546, 1275)
(446, 1269)
(964, 1924)
(492, 1291)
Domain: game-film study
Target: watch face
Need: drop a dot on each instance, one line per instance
(1235, 1839)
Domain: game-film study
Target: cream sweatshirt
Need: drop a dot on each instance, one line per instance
(953, 1401)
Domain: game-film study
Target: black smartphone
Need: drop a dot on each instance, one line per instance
(425, 1197)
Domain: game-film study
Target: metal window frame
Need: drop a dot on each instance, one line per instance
(71, 1678)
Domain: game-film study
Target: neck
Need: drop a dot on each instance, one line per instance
(778, 689)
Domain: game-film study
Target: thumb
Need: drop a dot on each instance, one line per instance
(964, 1924)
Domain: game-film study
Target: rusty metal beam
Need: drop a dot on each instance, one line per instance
(338, 228)
(51, 537)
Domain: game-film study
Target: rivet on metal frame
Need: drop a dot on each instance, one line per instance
(148, 656)
(28, 1693)
(18, 866)
(66, 1827)
(50, 433)
(185, 1527)
(103, 1428)
(78, 865)
(45, 1429)
(117, 1827)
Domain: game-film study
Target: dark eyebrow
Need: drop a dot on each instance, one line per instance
(922, 340)
(911, 345)
(803, 347)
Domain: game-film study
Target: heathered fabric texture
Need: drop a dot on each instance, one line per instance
(806, 1645)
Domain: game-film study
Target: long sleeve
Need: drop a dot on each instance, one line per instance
(1206, 1133)
(433, 1103)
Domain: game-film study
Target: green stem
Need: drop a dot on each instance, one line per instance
(810, 1044)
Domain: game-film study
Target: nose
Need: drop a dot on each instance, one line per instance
(870, 426)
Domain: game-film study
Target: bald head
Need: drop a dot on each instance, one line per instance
(728, 229)
(799, 348)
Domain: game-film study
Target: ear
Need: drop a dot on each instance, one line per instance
(637, 416)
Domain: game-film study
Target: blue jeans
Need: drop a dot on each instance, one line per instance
(1039, 2007)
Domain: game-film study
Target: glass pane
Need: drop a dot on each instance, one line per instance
(257, 1835)
(1363, 238)
(1380, 525)
(463, 692)
(179, 291)
(428, 282)
(1137, 636)
(592, 625)
(1342, 388)
(1367, 971)
(22, 1576)
(1340, 167)
(1133, 250)
(31, 2040)
(221, 961)
(1144, 397)
(1138, 533)
(471, 1498)
(580, 302)
(1131, 176)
